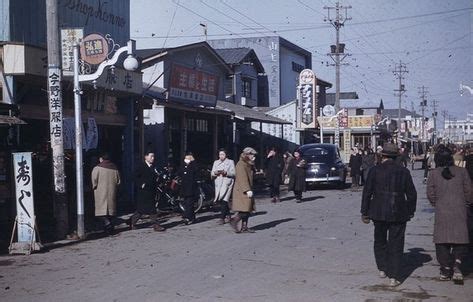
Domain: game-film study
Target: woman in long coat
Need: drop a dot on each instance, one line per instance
(223, 171)
(449, 191)
(297, 176)
(274, 166)
(242, 199)
(105, 181)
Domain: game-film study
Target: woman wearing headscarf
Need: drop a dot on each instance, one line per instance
(449, 191)
(242, 199)
(223, 172)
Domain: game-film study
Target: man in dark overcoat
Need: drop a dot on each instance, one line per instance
(274, 167)
(145, 180)
(389, 200)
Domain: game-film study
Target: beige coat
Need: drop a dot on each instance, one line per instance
(243, 183)
(450, 199)
(223, 184)
(105, 183)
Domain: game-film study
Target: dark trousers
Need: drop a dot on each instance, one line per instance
(106, 222)
(355, 180)
(188, 204)
(298, 195)
(447, 254)
(389, 247)
(137, 216)
(274, 189)
(224, 209)
(244, 216)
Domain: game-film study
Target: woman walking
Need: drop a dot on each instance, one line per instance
(367, 162)
(274, 168)
(242, 198)
(449, 191)
(223, 172)
(297, 176)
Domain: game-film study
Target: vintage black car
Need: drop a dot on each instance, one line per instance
(324, 164)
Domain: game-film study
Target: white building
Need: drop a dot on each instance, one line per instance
(459, 131)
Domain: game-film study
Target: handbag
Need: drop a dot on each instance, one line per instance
(287, 179)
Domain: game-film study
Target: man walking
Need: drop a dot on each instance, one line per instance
(105, 181)
(145, 180)
(389, 200)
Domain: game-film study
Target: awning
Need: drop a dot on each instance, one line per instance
(251, 115)
(11, 120)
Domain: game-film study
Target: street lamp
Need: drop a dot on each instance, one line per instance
(130, 64)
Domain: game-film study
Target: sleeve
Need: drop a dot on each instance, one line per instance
(467, 189)
(118, 178)
(368, 191)
(214, 169)
(431, 190)
(95, 178)
(244, 181)
(411, 193)
(231, 169)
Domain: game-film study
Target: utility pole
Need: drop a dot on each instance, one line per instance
(204, 26)
(341, 16)
(444, 115)
(55, 118)
(423, 104)
(434, 116)
(399, 70)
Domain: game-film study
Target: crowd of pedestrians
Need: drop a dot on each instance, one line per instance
(389, 197)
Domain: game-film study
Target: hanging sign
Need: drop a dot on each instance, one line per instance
(25, 217)
(94, 49)
(69, 37)
(308, 99)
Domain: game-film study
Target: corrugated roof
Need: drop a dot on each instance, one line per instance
(248, 114)
(233, 55)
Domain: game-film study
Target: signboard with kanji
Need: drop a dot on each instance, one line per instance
(25, 217)
(69, 37)
(193, 85)
(308, 99)
(94, 49)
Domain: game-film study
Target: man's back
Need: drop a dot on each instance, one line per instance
(389, 193)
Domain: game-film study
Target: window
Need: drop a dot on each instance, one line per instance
(246, 88)
(297, 67)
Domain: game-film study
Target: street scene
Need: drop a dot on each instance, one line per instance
(181, 150)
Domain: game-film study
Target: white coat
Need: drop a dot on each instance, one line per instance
(223, 184)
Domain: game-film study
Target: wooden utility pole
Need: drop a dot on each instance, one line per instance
(423, 105)
(55, 118)
(399, 71)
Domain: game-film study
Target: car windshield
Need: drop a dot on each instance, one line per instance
(317, 154)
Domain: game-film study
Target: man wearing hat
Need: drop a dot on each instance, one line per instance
(389, 200)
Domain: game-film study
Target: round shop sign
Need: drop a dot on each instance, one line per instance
(94, 49)
(306, 76)
(328, 110)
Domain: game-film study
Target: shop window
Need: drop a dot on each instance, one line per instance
(246, 88)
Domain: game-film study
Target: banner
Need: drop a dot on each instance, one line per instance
(308, 99)
(70, 134)
(92, 137)
(69, 36)
(24, 197)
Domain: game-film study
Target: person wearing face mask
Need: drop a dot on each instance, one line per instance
(223, 173)
(188, 175)
(145, 180)
(242, 199)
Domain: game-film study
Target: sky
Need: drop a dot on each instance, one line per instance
(432, 37)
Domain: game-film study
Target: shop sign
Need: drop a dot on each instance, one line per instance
(343, 120)
(94, 49)
(92, 137)
(193, 85)
(360, 121)
(121, 80)
(69, 37)
(308, 99)
(346, 144)
(25, 217)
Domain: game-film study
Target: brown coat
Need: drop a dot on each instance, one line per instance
(105, 182)
(243, 183)
(450, 199)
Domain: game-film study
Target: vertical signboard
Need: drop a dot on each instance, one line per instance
(69, 37)
(346, 144)
(308, 99)
(25, 219)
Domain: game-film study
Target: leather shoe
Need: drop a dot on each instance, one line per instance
(158, 228)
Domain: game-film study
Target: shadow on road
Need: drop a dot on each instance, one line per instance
(312, 198)
(271, 224)
(414, 259)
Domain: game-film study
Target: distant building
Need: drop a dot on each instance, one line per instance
(459, 131)
(282, 62)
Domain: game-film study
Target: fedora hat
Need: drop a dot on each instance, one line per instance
(390, 149)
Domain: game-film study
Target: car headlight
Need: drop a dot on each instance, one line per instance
(333, 169)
